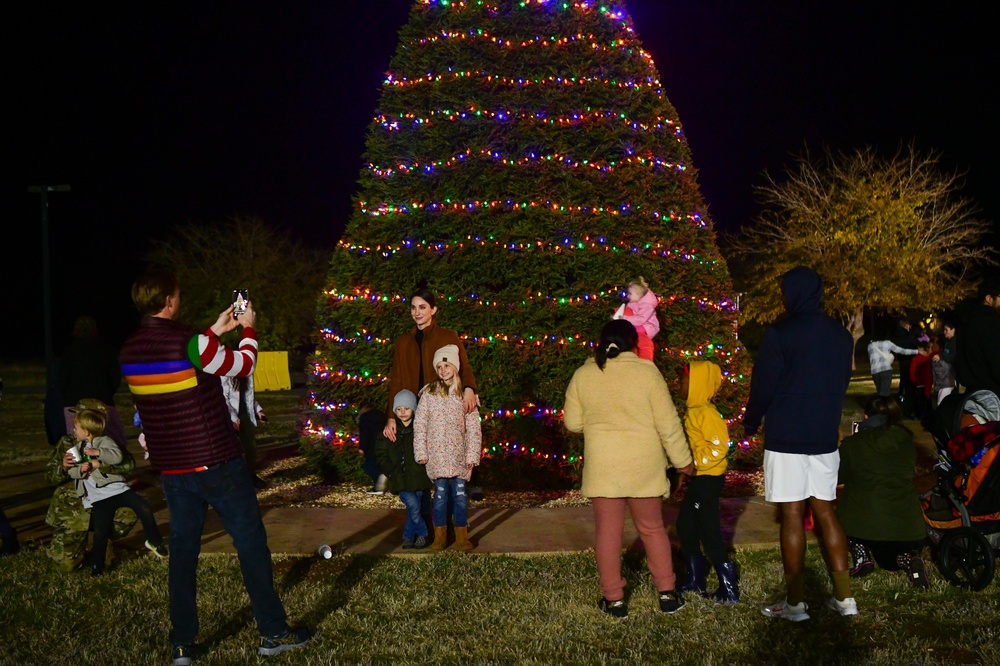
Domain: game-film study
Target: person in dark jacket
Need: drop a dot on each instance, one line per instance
(800, 376)
(370, 423)
(879, 507)
(405, 477)
(88, 368)
(904, 336)
(977, 349)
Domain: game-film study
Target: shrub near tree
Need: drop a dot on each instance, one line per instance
(525, 164)
(281, 274)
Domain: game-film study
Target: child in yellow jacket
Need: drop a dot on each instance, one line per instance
(699, 523)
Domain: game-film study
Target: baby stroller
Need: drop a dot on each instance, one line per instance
(962, 511)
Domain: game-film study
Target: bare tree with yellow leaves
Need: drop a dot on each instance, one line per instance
(885, 234)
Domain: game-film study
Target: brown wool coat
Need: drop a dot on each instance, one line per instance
(630, 428)
(407, 355)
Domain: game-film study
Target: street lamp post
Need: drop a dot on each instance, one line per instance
(44, 190)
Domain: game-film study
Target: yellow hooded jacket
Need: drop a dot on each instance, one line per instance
(705, 427)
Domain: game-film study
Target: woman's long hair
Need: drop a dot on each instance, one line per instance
(617, 336)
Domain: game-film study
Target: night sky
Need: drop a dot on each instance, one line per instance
(157, 115)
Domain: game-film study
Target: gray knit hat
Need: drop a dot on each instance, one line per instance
(404, 398)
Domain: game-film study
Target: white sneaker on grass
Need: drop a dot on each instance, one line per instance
(786, 611)
(846, 607)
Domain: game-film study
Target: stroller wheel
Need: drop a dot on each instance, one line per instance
(966, 559)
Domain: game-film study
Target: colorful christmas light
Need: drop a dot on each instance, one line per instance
(564, 245)
(433, 166)
(570, 119)
(385, 208)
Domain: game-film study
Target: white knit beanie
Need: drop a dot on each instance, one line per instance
(447, 353)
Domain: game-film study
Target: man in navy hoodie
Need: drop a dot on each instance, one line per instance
(800, 376)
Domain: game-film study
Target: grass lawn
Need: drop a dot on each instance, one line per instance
(455, 609)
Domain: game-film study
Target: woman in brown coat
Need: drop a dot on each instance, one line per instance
(413, 357)
(631, 433)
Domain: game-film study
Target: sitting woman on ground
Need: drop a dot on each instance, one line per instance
(879, 507)
(631, 434)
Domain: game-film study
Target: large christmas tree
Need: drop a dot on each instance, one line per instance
(525, 164)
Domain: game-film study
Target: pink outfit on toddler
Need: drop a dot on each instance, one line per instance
(642, 315)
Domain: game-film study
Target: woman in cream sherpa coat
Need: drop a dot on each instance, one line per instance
(631, 435)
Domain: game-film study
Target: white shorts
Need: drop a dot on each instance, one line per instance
(792, 477)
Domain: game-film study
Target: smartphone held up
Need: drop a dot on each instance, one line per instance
(240, 299)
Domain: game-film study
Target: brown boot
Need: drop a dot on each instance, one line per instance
(440, 538)
(462, 539)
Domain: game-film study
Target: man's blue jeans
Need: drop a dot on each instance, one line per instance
(415, 525)
(228, 489)
(455, 489)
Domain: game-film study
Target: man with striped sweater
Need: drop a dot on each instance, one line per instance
(174, 375)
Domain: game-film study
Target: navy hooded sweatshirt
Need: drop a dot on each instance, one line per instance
(801, 372)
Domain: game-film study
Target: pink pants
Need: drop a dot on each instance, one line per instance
(609, 518)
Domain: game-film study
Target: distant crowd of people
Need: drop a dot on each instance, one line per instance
(927, 372)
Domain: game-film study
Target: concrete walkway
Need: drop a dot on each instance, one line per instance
(747, 522)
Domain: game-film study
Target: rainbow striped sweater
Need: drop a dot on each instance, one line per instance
(173, 373)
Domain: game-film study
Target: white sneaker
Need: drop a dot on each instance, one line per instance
(846, 607)
(381, 482)
(786, 611)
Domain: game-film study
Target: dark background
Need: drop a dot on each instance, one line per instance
(163, 114)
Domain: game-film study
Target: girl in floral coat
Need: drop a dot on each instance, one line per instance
(449, 442)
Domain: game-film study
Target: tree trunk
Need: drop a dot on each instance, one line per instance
(856, 327)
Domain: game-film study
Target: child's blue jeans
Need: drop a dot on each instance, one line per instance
(453, 488)
(415, 525)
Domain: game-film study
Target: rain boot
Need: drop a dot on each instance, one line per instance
(440, 538)
(462, 539)
(728, 592)
(694, 575)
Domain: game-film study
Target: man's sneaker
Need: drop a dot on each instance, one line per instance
(289, 639)
(786, 611)
(421, 542)
(407, 543)
(183, 654)
(374, 491)
(671, 601)
(917, 573)
(618, 609)
(846, 607)
(160, 551)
